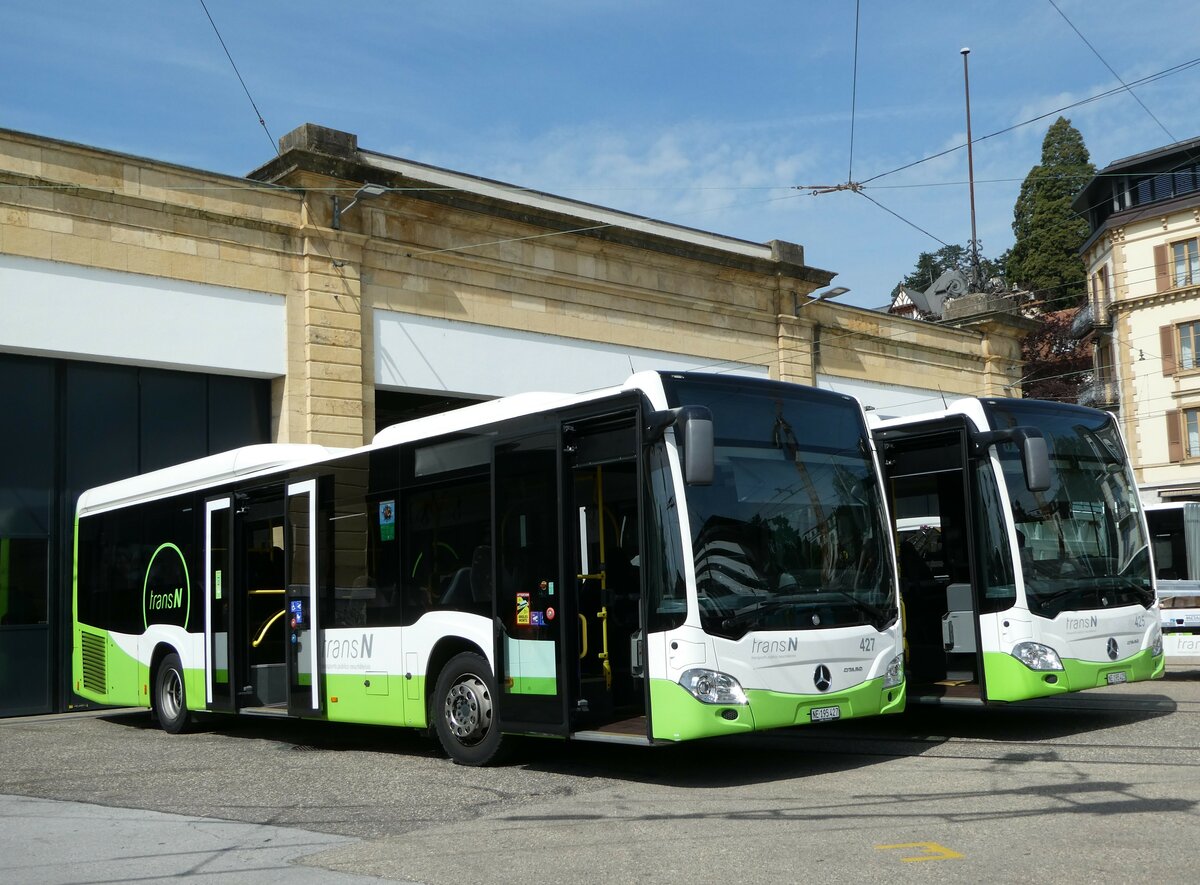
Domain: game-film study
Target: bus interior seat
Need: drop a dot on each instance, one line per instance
(481, 574)
(458, 592)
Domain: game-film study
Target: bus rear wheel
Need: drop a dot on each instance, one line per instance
(464, 711)
(170, 695)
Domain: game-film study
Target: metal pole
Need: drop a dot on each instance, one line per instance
(971, 176)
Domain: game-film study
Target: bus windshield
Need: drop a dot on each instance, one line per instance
(1081, 542)
(790, 535)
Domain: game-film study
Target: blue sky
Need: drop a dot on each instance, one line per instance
(708, 114)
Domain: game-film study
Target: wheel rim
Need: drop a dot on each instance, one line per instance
(468, 710)
(171, 699)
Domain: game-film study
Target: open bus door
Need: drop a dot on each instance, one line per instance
(530, 612)
(569, 641)
(604, 516)
(927, 470)
(301, 613)
(218, 598)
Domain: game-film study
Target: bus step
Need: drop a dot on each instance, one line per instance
(608, 737)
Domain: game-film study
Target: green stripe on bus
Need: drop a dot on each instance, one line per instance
(1008, 679)
(533, 685)
(677, 716)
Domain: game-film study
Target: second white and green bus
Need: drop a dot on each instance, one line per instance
(682, 556)
(1025, 563)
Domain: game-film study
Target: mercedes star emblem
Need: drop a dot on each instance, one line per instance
(822, 678)
(1112, 649)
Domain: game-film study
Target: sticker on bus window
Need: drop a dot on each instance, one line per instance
(296, 607)
(523, 608)
(387, 520)
(538, 619)
(217, 584)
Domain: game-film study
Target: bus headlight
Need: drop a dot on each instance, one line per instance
(895, 672)
(1036, 656)
(713, 687)
(1156, 647)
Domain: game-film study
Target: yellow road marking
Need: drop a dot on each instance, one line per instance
(929, 851)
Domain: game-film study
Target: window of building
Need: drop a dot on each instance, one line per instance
(1191, 419)
(1189, 345)
(1185, 263)
(1101, 296)
(1183, 434)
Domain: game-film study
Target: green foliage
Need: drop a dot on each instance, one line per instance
(1044, 258)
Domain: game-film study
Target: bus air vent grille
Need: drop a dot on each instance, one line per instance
(95, 664)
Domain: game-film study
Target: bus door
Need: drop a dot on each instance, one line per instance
(531, 611)
(301, 613)
(218, 596)
(930, 490)
(604, 546)
(256, 659)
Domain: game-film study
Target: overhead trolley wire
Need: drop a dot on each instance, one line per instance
(245, 88)
(1167, 72)
(1096, 53)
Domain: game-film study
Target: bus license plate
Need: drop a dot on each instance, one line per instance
(1117, 678)
(825, 714)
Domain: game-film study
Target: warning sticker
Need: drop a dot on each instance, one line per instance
(523, 608)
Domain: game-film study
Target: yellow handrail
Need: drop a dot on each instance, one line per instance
(267, 626)
(603, 656)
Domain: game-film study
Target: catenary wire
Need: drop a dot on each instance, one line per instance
(233, 64)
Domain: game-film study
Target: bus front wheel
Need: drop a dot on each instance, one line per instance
(170, 696)
(464, 711)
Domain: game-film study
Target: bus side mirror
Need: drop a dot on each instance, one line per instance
(694, 428)
(1035, 459)
(1035, 456)
(694, 435)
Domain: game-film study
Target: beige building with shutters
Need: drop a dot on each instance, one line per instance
(1143, 315)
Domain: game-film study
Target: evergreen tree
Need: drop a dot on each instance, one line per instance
(1044, 258)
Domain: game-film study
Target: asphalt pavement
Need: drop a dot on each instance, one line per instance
(1101, 786)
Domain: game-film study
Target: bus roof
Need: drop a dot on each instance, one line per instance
(236, 463)
(274, 457)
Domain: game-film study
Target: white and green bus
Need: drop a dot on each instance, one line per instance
(1025, 566)
(683, 556)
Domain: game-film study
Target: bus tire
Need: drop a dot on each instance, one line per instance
(170, 695)
(464, 710)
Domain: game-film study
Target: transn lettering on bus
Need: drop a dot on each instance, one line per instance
(346, 649)
(774, 646)
(170, 599)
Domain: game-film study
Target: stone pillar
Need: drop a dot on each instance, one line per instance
(323, 396)
(796, 363)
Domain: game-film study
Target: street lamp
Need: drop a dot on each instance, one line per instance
(367, 190)
(820, 296)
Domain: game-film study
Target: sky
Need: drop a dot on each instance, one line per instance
(716, 115)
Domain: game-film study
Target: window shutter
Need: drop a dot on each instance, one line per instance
(1166, 342)
(1162, 269)
(1174, 436)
